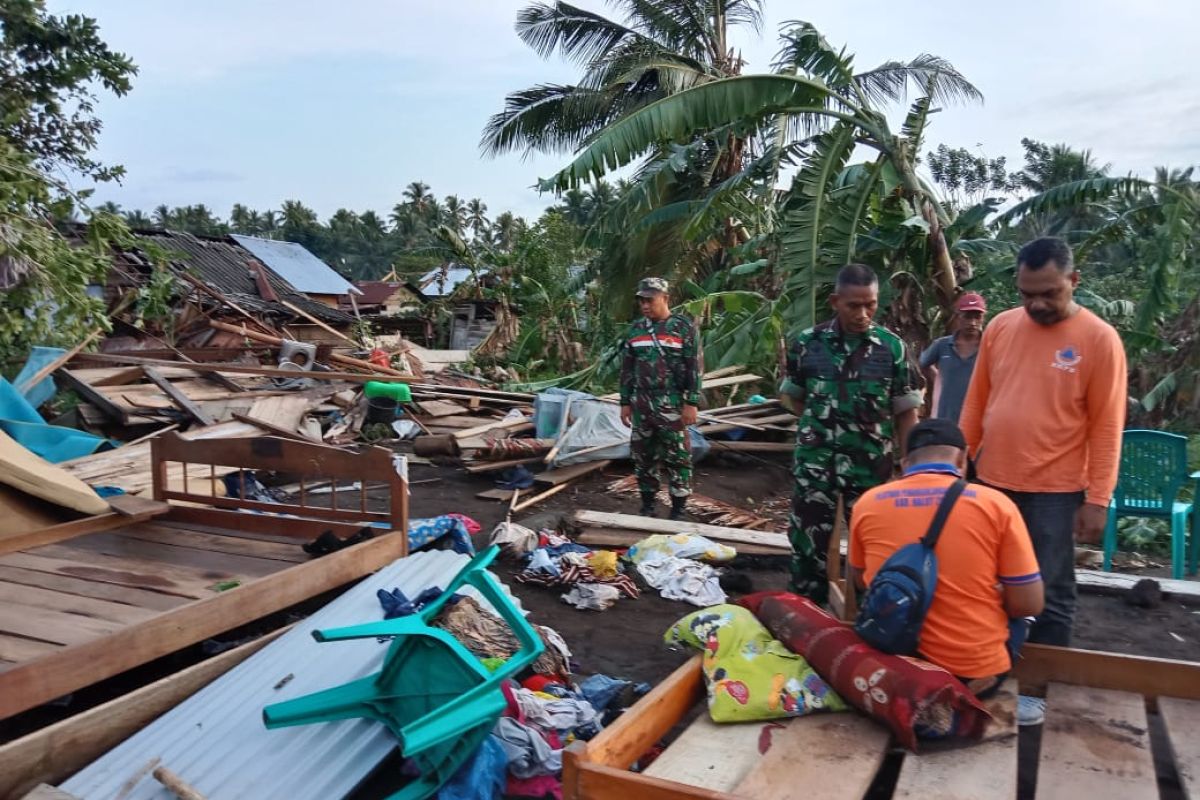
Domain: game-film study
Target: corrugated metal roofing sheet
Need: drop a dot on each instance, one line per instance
(297, 265)
(222, 264)
(216, 741)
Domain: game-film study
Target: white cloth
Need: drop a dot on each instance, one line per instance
(682, 579)
(594, 596)
(514, 539)
(565, 714)
(681, 545)
(527, 751)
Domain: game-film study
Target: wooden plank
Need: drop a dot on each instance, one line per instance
(983, 771)
(109, 376)
(1182, 721)
(52, 626)
(155, 577)
(710, 756)
(532, 501)
(753, 447)
(809, 750)
(318, 323)
(281, 412)
(601, 519)
(45, 792)
(243, 369)
(240, 545)
(49, 369)
(18, 595)
(153, 554)
(494, 466)
(442, 408)
(54, 753)
(511, 425)
(70, 530)
(564, 474)
(178, 397)
(20, 648)
(82, 587)
(33, 683)
(505, 494)
(649, 719)
(97, 399)
(1117, 583)
(1153, 677)
(596, 782)
(1095, 743)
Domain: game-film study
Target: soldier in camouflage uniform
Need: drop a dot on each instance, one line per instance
(854, 390)
(660, 392)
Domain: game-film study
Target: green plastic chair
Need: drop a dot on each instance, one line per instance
(431, 692)
(1153, 470)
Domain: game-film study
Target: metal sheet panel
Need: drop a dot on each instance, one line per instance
(297, 265)
(215, 740)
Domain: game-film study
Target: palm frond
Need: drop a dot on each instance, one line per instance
(1161, 393)
(802, 257)
(1169, 248)
(931, 75)
(546, 117)
(577, 34)
(680, 116)
(1072, 195)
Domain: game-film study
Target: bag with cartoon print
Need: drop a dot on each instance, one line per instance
(750, 676)
(914, 698)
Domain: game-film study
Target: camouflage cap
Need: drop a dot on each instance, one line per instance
(648, 287)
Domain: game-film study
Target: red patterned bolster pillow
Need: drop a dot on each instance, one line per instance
(912, 697)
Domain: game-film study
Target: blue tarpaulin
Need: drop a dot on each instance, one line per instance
(20, 420)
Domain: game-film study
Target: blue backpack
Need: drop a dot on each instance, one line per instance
(894, 607)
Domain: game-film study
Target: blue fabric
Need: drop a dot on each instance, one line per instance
(601, 690)
(933, 466)
(396, 604)
(425, 531)
(39, 357)
(25, 425)
(481, 777)
(515, 478)
(954, 374)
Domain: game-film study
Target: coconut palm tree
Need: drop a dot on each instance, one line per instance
(477, 217)
(138, 219)
(162, 216)
(455, 212)
(417, 194)
(505, 230)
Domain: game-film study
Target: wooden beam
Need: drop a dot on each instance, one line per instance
(647, 720)
(510, 425)
(56, 364)
(1041, 664)
(318, 322)
(56, 752)
(533, 501)
(597, 782)
(98, 399)
(564, 474)
(181, 400)
(753, 447)
(1118, 583)
(601, 519)
(243, 369)
(78, 527)
(31, 683)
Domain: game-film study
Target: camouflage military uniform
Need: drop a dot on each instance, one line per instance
(660, 373)
(851, 388)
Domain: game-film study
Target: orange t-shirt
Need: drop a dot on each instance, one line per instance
(1046, 405)
(984, 543)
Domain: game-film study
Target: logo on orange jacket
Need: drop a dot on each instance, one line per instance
(1067, 359)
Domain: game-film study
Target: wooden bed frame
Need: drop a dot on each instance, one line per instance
(88, 599)
(1096, 742)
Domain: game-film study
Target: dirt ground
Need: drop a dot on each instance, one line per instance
(626, 640)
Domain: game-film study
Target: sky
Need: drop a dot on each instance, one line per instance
(344, 104)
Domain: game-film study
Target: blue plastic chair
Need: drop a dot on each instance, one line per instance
(1153, 470)
(432, 693)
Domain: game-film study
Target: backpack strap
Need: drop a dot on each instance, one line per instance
(930, 538)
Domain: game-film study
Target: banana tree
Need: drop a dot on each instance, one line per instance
(817, 105)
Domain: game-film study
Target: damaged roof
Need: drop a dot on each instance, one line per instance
(372, 293)
(297, 265)
(221, 263)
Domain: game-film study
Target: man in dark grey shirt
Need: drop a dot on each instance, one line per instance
(952, 358)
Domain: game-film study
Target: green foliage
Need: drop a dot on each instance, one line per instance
(50, 69)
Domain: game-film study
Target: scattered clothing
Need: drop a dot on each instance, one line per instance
(563, 715)
(481, 777)
(540, 786)
(681, 545)
(526, 750)
(604, 692)
(514, 539)
(592, 596)
(422, 532)
(514, 478)
(573, 574)
(328, 542)
(395, 604)
(750, 675)
(473, 527)
(683, 579)
(603, 563)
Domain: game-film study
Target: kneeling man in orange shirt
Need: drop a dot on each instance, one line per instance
(987, 572)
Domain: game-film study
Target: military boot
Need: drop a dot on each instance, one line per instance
(648, 505)
(678, 508)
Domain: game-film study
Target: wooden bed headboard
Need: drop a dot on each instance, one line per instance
(197, 481)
